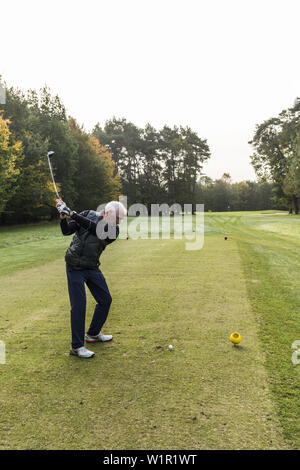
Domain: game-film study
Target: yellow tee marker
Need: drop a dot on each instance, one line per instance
(235, 338)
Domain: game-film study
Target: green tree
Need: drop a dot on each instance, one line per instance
(123, 140)
(150, 180)
(276, 156)
(184, 154)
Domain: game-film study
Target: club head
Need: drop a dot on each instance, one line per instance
(50, 153)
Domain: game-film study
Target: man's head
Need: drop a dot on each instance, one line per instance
(114, 212)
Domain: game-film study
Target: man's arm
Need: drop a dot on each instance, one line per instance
(82, 221)
(91, 226)
(107, 241)
(68, 228)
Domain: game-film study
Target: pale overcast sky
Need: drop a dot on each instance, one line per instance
(219, 66)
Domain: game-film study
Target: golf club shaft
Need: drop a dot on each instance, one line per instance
(53, 180)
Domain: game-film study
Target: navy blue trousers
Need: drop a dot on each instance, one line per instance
(96, 283)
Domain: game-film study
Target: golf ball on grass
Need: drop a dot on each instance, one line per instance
(170, 347)
(235, 338)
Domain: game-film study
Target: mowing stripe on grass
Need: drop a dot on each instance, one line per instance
(272, 268)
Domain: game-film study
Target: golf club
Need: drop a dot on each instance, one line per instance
(49, 154)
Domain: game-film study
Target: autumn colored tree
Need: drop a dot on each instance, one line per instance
(96, 180)
(84, 170)
(39, 129)
(10, 157)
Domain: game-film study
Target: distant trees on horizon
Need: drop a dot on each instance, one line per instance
(165, 166)
(145, 164)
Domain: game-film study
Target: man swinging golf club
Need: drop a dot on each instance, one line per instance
(93, 231)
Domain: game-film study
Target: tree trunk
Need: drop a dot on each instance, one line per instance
(295, 203)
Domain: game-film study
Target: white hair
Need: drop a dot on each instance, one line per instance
(116, 206)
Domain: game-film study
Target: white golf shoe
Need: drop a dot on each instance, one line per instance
(82, 352)
(98, 338)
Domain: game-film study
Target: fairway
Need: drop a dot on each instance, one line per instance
(135, 393)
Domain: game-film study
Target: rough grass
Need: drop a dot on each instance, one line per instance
(135, 393)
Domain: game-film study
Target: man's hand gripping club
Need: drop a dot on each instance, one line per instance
(63, 209)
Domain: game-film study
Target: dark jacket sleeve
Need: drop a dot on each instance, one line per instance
(84, 222)
(68, 228)
(107, 241)
(91, 226)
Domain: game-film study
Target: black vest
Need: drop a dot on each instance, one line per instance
(85, 248)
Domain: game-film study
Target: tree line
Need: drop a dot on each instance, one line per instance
(147, 165)
(222, 195)
(165, 166)
(31, 124)
(156, 166)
